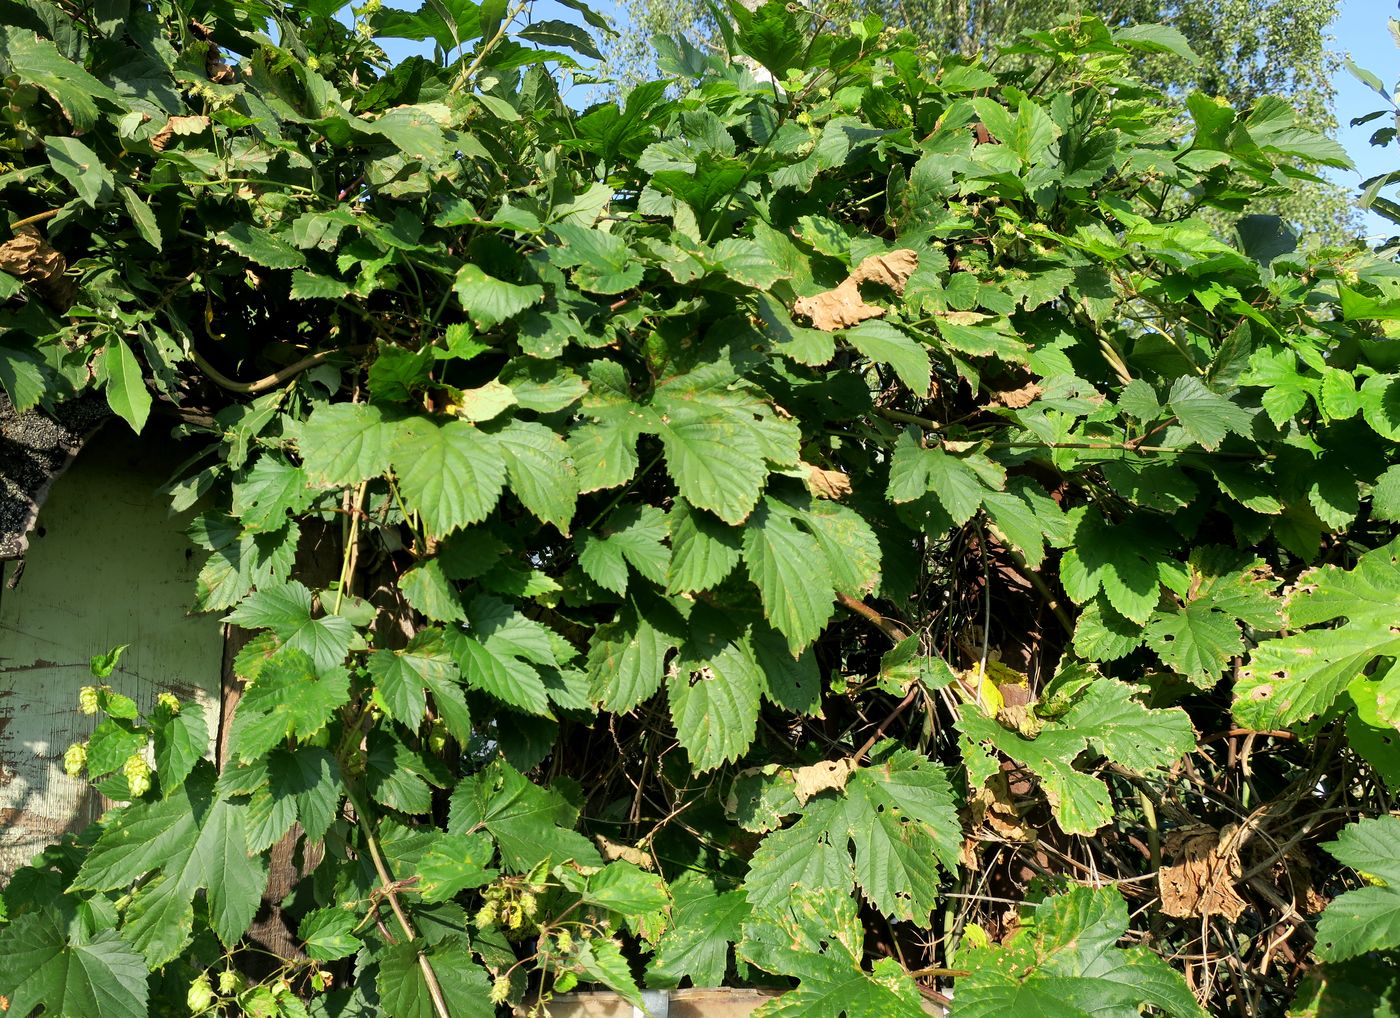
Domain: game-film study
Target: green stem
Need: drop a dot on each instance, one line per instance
(386, 881)
(489, 45)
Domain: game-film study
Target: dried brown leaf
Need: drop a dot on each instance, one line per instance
(994, 804)
(31, 258)
(830, 484)
(963, 317)
(183, 126)
(892, 270)
(612, 851)
(1017, 398)
(843, 306)
(1201, 879)
(837, 309)
(826, 776)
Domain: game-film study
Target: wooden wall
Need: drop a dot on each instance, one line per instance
(112, 566)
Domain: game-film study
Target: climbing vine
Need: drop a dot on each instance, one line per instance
(839, 519)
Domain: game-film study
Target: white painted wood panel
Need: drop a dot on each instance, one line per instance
(112, 566)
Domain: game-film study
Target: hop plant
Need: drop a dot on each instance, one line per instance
(500, 989)
(138, 775)
(200, 995)
(87, 700)
(169, 702)
(564, 940)
(75, 759)
(228, 981)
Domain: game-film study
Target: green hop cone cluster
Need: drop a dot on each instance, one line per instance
(200, 995)
(75, 759)
(138, 775)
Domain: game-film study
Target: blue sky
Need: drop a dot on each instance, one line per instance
(1361, 33)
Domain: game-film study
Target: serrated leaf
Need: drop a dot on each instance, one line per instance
(1207, 417)
(531, 824)
(814, 935)
(261, 246)
(450, 473)
(21, 375)
(1126, 562)
(627, 658)
(311, 776)
(329, 933)
(403, 988)
(504, 676)
(221, 863)
(490, 301)
(402, 676)
(1200, 637)
(623, 887)
(602, 262)
(270, 491)
(789, 568)
(455, 863)
(715, 466)
(1195, 640)
(1105, 718)
(849, 545)
(1139, 399)
(898, 817)
(181, 740)
(553, 33)
(1067, 963)
(345, 443)
(316, 286)
(605, 455)
(600, 960)
(112, 742)
(630, 536)
(903, 824)
(703, 550)
(1385, 496)
(959, 483)
(142, 217)
(37, 60)
(286, 610)
(138, 838)
(704, 924)
(714, 693)
(290, 699)
(541, 471)
(196, 841)
(1366, 919)
(883, 342)
(427, 589)
(1297, 677)
(100, 976)
(717, 436)
(500, 653)
(1156, 39)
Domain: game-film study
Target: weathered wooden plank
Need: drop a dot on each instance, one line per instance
(107, 565)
